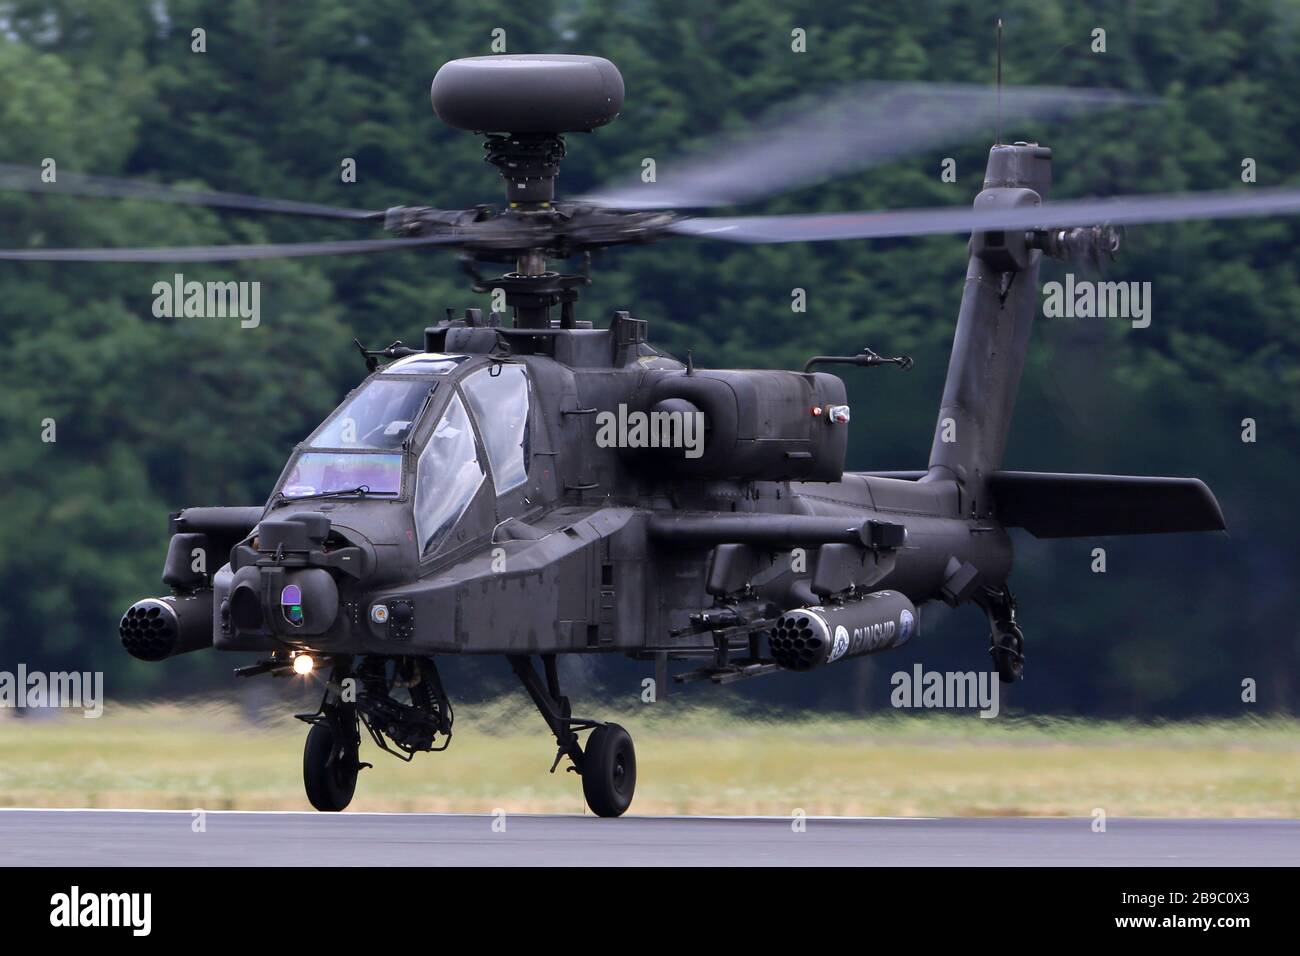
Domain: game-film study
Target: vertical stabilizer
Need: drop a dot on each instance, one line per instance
(997, 312)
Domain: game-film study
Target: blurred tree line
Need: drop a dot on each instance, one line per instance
(155, 414)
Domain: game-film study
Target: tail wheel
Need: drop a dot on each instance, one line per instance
(609, 770)
(329, 767)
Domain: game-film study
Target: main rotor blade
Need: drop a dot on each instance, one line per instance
(225, 253)
(1117, 211)
(862, 126)
(27, 179)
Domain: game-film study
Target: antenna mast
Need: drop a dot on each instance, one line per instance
(997, 129)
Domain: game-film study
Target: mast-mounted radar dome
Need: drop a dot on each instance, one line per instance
(527, 94)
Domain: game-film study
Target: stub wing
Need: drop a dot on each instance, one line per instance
(1077, 506)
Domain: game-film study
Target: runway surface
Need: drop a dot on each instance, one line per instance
(234, 838)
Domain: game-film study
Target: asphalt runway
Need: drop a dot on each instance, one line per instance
(235, 838)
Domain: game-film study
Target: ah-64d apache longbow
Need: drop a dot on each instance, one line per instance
(458, 502)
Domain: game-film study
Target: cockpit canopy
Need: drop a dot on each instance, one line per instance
(449, 472)
(364, 444)
(379, 415)
(319, 473)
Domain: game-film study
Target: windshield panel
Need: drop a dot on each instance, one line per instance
(379, 415)
(498, 397)
(316, 471)
(448, 476)
(426, 363)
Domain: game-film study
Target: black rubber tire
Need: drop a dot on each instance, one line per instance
(609, 771)
(329, 783)
(1008, 655)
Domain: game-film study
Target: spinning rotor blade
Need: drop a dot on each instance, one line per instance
(1117, 210)
(27, 179)
(857, 128)
(225, 253)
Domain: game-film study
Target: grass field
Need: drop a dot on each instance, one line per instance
(691, 760)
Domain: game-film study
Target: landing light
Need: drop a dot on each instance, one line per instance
(303, 664)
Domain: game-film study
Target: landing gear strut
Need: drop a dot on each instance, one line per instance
(329, 758)
(607, 764)
(1006, 640)
(330, 763)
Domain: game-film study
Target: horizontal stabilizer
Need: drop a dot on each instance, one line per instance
(1083, 506)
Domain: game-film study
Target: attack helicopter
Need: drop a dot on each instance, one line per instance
(462, 500)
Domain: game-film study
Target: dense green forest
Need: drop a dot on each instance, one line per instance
(154, 414)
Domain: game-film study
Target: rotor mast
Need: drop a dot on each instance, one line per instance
(529, 165)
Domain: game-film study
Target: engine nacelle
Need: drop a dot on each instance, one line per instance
(758, 424)
(811, 636)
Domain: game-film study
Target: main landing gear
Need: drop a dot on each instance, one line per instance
(607, 764)
(330, 765)
(402, 705)
(371, 695)
(1006, 640)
